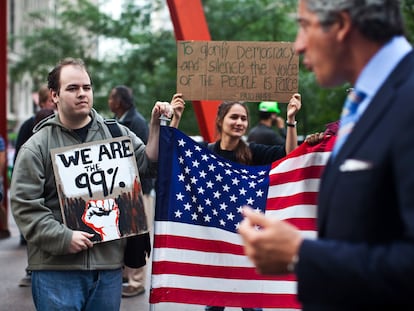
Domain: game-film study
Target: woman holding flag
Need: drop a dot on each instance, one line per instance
(232, 123)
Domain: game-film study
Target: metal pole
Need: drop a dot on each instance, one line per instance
(164, 120)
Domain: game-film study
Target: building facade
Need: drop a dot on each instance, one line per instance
(22, 100)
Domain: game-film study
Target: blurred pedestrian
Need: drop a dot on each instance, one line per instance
(47, 108)
(121, 103)
(4, 222)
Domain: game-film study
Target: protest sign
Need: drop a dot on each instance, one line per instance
(237, 70)
(99, 188)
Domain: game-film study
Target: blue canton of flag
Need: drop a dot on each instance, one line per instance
(206, 189)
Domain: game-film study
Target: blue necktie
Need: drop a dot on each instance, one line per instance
(349, 117)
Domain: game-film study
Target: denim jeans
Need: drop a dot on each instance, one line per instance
(210, 308)
(77, 290)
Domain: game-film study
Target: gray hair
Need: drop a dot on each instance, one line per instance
(377, 20)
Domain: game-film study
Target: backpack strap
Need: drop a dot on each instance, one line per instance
(113, 127)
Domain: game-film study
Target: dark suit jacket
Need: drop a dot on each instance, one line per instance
(364, 256)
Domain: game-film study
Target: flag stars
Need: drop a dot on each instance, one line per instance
(226, 188)
(250, 201)
(181, 142)
(200, 190)
(230, 216)
(209, 190)
(259, 193)
(223, 206)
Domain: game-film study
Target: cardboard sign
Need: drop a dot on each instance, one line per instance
(237, 70)
(99, 188)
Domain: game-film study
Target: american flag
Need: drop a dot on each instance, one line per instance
(198, 255)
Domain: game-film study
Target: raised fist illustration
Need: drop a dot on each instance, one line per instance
(103, 217)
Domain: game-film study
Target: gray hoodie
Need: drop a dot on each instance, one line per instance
(35, 204)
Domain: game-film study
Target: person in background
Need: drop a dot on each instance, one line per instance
(47, 108)
(232, 122)
(263, 132)
(26, 129)
(4, 224)
(121, 103)
(363, 257)
(69, 271)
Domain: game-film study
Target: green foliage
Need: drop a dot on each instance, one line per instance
(408, 11)
(147, 62)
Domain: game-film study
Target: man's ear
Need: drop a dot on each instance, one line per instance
(344, 24)
(54, 96)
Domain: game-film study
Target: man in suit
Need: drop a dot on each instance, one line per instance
(363, 258)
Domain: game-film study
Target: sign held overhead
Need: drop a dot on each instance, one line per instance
(237, 70)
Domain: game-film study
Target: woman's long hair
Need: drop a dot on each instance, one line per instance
(242, 152)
